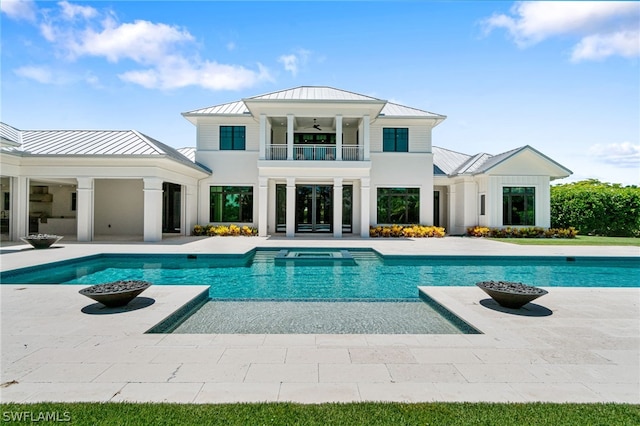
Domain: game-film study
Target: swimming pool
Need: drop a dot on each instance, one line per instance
(257, 276)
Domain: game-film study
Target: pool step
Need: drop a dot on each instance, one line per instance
(268, 256)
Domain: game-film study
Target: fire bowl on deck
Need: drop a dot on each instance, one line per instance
(117, 293)
(510, 294)
(41, 241)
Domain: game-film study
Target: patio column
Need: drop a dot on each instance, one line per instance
(263, 191)
(263, 136)
(189, 207)
(337, 207)
(289, 136)
(84, 208)
(366, 122)
(339, 137)
(152, 209)
(291, 207)
(19, 207)
(365, 206)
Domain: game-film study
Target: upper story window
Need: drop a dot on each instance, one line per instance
(232, 138)
(395, 139)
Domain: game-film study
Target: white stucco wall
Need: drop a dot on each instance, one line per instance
(119, 203)
(403, 170)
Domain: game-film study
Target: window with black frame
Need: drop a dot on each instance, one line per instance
(231, 204)
(398, 206)
(518, 205)
(232, 138)
(395, 139)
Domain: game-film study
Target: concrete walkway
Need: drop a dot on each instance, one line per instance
(574, 344)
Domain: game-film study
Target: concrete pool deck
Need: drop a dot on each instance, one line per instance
(572, 345)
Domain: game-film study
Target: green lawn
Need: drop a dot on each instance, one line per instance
(580, 240)
(369, 414)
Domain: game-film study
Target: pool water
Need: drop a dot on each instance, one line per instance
(257, 276)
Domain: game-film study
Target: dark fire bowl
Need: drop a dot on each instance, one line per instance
(509, 294)
(117, 293)
(41, 241)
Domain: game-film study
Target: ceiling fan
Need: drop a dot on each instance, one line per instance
(316, 125)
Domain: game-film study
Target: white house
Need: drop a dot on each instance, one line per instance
(297, 161)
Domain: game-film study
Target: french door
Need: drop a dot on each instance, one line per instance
(314, 208)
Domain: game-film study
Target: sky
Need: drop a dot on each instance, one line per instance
(562, 77)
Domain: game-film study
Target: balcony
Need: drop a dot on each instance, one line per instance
(309, 152)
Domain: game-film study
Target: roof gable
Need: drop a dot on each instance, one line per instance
(315, 93)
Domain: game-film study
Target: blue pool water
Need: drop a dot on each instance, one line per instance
(257, 276)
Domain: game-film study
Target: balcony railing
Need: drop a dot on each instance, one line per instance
(314, 152)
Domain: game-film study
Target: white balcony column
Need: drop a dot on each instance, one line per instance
(152, 209)
(366, 124)
(84, 208)
(337, 207)
(339, 137)
(263, 137)
(263, 192)
(289, 136)
(19, 207)
(291, 207)
(365, 206)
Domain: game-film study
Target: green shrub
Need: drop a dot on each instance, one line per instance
(224, 230)
(534, 232)
(596, 208)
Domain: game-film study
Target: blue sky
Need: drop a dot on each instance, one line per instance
(561, 77)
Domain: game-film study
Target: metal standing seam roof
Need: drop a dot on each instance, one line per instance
(455, 163)
(448, 161)
(313, 93)
(189, 152)
(95, 143)
(391, 109)
(9, 134)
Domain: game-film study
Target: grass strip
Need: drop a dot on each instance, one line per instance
(580, 240)
(366, 413)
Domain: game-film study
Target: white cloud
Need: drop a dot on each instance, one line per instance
(71, 11)
(294, 61)
(161, 49)
(19, 9)
(176, 72)
(142, 41)
(600, 46)
(606, 28)
(39, 74)
(623, 154)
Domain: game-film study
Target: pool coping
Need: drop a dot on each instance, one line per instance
(587, 350)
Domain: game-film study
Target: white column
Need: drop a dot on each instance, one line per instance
(337, 207)
(365, 207)
(84, 208)
(263, 136)
(263, 192)
(366, 138)
(291, 207)
(289, 136)
(426, 205)
(19, 207)
(190, 208)
(451, 214)
(339, 137)
(152, 209)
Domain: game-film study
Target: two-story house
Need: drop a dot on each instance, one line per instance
(297, 161)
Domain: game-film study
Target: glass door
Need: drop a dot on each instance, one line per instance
(314, 208)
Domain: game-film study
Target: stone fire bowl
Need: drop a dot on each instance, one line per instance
(41, 241)
(510, 294)
(117, 293)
